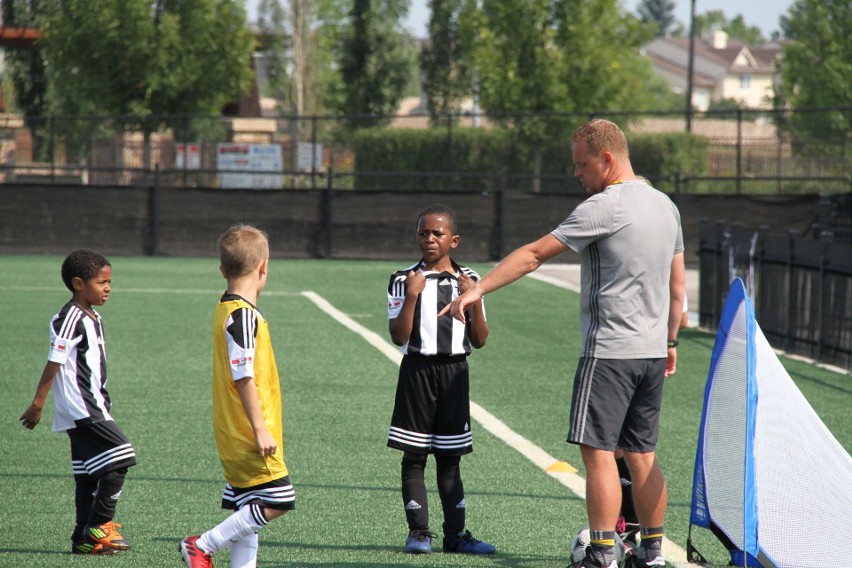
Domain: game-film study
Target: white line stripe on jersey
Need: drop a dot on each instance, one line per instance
(674, 554)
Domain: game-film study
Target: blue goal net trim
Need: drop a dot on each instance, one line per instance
(701, 514)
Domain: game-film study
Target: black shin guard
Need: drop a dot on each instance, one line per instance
(451, 490)
(414, 493)
(106, 497)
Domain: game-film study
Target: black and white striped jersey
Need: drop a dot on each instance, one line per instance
(79, 389)
(431, 335)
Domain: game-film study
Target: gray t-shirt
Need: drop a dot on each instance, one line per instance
(626, 236)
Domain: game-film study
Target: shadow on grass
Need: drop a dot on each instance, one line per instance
(369, 551)
(817, 381)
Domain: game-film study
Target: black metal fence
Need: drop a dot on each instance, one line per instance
(801, 286)
(750, 151)
(334, 223)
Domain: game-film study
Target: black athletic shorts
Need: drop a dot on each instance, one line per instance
(275, 494)
(616, 403)
(98, 448)
(431, 413)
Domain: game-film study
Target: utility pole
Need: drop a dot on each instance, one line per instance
(689, 66)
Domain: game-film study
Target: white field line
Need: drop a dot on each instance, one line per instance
(491, 423)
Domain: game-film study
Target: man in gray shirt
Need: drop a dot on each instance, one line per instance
(630, 242)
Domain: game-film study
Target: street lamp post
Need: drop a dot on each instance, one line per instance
(689, 65)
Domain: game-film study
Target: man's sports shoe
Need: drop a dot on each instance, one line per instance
(107, 536)
(193, 556)
(464, 543)
(646, 558)
(594, 559)
(88, 546)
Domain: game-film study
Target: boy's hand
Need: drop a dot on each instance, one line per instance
(465, 282)
(31, 417)
(266, 444)
(416, 283)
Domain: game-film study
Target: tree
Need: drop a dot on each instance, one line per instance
(273, 43)
(546, 56)
(446, 80)
(738, 29)
(376, 58)
(138, 60)
(816, 71)
(26, 67)
(659, 13)
(712, 20)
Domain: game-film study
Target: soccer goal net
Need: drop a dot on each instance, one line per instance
(771, 482)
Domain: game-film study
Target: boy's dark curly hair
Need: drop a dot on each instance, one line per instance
(83, 264)
(444, 211)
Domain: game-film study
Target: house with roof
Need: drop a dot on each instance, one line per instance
(723, 69)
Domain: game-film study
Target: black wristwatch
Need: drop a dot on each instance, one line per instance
(672, 343)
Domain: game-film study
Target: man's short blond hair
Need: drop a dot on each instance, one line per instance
(241, 250)
(602, 136)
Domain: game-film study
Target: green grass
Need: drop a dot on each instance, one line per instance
(338, 396)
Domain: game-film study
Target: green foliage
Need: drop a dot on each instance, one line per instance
(432, 150)
(120, 57)
(816, 71)
(272, 41)
(659, 157)
(376, 58)
(545, 56)
(26, 67)
(708, 22)
(659, 13)
(494, 151)
(446, 79)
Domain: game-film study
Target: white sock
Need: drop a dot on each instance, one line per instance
(240, 524)
(244, 552)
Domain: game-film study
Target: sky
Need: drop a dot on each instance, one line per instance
(761, 13)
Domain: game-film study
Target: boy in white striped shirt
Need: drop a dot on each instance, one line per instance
(432, 408)
(76, 363)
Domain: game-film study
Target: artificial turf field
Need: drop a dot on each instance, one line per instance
(338, 394)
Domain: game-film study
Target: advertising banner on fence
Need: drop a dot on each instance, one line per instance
(242, 166)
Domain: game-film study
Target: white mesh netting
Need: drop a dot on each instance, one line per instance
(803, 476)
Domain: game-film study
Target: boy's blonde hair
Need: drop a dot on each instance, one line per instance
(602, 136)
(241, 249)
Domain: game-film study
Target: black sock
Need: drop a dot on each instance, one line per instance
(106, 497)
(451, 490)
(414, 493)
(84, 496)
(628, 511)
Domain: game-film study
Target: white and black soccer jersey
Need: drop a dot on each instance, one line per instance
(431, 335)
(79, 390)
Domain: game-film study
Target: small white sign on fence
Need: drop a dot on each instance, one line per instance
(187, 156)
(246, 163)
(308, 156)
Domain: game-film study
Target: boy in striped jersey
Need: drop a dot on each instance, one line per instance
(432, 408)
(246, 408)
(76, 363)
